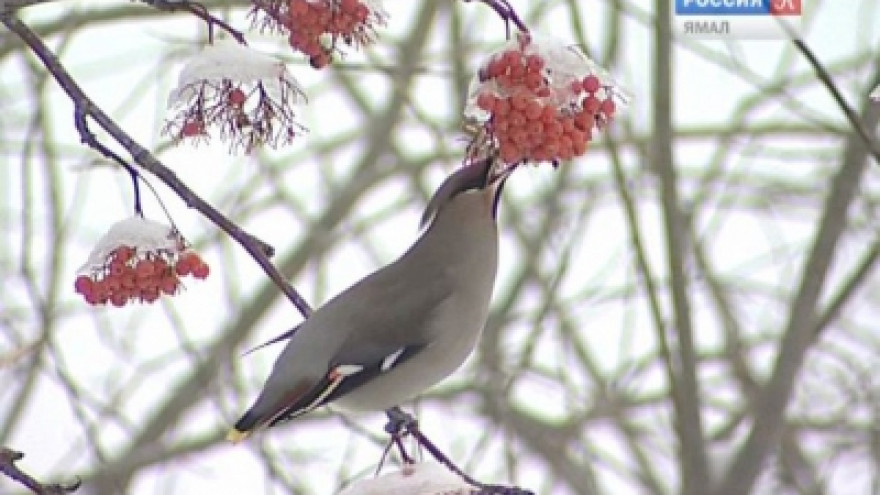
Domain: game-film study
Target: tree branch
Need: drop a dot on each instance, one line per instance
(9, 457)
(685, 389)
(803, 319)
(86, 107)
(851, 116)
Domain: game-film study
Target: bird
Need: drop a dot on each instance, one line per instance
(401, 329)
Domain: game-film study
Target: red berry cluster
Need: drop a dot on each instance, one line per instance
(127, 276)
(308, 21)
(246, 117)
(531, 118)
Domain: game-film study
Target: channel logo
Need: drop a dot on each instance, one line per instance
(738, 7)
(737, 19)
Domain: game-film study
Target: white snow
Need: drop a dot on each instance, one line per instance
(228, 60)
(427, 478)
(137, 232)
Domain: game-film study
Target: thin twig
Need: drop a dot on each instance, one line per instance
(198, 10)
(803, 319)
(507, 13)
(401, 423)
(82, 126)
(851, 116)
(9, 457)
(84, 105)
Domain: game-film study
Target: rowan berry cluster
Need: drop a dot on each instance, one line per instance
(137, 260)
(537, 106)
(129, 275)
(316, 27)
(245, 120)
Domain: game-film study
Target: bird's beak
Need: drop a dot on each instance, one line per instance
(236, 437)
(498, 173)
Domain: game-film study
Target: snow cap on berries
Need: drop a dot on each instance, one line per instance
(539, 100)
(145, 235)
(229, 60)
(249, 96)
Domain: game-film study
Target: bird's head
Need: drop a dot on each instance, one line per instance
(480, 177)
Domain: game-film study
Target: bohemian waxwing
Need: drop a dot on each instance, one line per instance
(403, 328)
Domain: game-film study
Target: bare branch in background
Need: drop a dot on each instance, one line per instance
(685, 387)
(692, 303)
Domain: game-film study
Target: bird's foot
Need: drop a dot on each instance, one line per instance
(401, 423)
(398, 426)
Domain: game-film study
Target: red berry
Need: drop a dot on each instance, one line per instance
(298, 8)
(583, 120)
(519, 102)
(517, 71)
(591, 104)
(607, 108)
(495, 68)
(117, 268)
(84, 285)
(510, 153)
(128, 280)
(517, 120)
(169, 285)
(486, 101)
(362, 13)
(533, 110)
(201, 271)
(502, 106)
(161, 266)
(549, 114)
(145, 269)
(124, 253)
(553, 129)
(193, 128)
(533, 81)
(236, 97)
(591, 84)
(112, 283)
(119, 299)
(348, 6)
(149, 294)
(184, 266)
(510, 58)
(534, 62)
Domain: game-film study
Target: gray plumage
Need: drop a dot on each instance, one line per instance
(401, 329)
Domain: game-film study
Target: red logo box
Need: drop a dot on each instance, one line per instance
(785, 7)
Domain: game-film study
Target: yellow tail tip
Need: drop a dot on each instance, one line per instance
(236, 436)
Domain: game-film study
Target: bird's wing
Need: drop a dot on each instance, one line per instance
(380, 335)
(343, 378)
